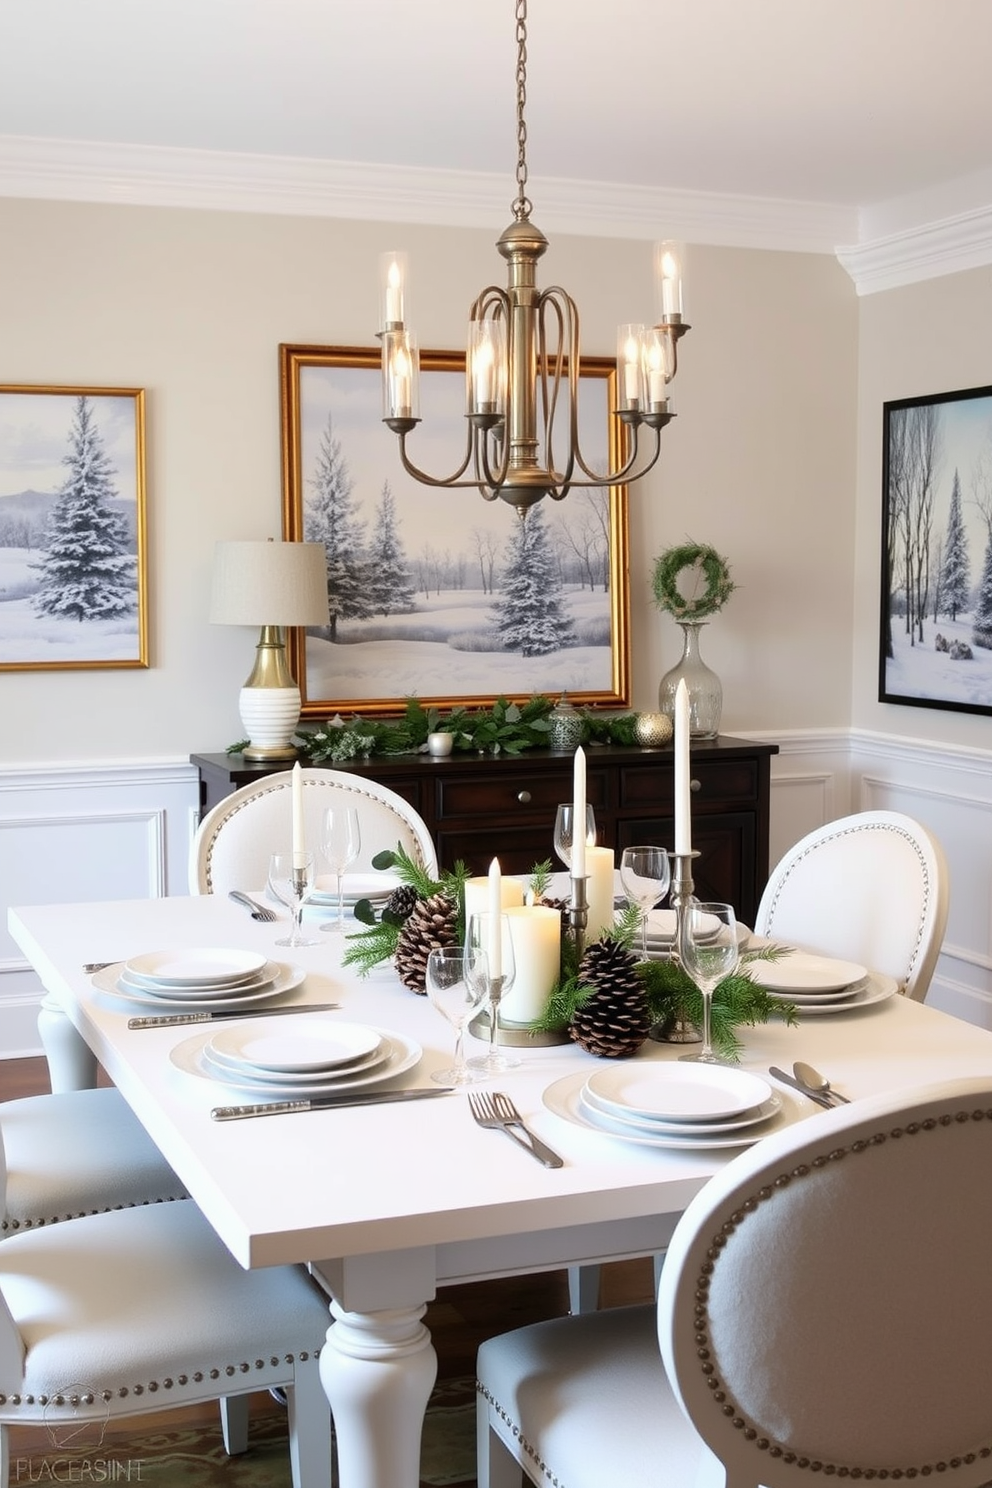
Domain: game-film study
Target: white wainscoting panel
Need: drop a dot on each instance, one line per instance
(76, 832)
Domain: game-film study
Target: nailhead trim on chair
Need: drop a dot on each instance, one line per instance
(538, 1462)
(356, 790)
(858, 829)
(723, 1398)
(151, 1386)
(13, 1226)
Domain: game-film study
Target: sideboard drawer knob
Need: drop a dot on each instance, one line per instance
(695, 785)
(524, 797)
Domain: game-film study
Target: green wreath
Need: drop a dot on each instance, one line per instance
(708, 565)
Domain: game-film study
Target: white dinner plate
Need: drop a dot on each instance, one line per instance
(594, 1107)
(563, 1098)
(195, 967)
(652, 1088)
(819, 999)
(801, 971)
(272, 1047)
(253, 983)
(283, 978)
(875, 988)
(404, 1053)
(374, 886)
(263, 1080)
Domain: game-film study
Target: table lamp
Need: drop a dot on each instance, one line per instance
(272, 585)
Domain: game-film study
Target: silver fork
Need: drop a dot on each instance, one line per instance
(499, 1113)
(257, 911)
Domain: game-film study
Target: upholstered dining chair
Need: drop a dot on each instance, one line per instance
(825, 1312)
(870, 888)
(232, 844)
(137, 1310)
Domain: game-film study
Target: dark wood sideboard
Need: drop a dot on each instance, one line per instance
(480, 807)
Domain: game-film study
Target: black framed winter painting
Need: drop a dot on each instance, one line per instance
(936, 612)
(72, 528)
(437, 593)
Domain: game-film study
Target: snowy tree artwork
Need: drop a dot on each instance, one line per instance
(433, 592)
(936, 620)
(71, 528)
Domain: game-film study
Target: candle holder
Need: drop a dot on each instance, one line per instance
(678, 1030)
(578, 913)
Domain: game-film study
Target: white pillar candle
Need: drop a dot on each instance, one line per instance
(511, 892)
(495, 922)
(299, 836)
(579, 815)
(535, 932)
(683, 821)
(599, 891)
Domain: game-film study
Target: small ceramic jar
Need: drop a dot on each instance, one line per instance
(440, 744)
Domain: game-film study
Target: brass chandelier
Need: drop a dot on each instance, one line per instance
(522, 363)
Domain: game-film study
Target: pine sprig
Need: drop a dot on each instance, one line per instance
(540, 879)
(379, 942)
(737, 1000)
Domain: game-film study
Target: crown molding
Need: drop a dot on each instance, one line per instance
(70, 170)
(930, 251)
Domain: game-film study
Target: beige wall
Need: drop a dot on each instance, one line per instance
(928, 338)
(192, 307)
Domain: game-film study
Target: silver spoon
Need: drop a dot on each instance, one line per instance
(813, 1080)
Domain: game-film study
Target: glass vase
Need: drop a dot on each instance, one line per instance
(702, 683)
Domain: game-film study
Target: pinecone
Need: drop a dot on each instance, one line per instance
(431, 923)
(614, 1021)
(401, 901)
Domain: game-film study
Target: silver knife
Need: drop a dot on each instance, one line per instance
(325, 1103)
(172, 1020)
(821, 1100)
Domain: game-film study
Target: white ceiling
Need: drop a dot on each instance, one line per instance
(827, 122)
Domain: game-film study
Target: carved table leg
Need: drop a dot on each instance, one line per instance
(378, 1370)
(71, 1065)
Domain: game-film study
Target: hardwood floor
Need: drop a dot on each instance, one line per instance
(460, 1318)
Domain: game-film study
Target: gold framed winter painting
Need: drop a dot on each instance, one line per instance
(936, 614)
(425, 583)
(72, 528)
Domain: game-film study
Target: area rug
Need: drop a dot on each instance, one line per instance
(195, 1457)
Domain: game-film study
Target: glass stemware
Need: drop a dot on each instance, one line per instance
(291, 879)
(564, 828)
(646, 874)
(493, 940)
(709, 951)
(340, 843)
(457, 983)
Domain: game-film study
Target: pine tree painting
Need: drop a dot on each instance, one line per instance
(330, 517)
(954, 579)
(530, 616)
(981, 633)
(390, 588)
(87, 572)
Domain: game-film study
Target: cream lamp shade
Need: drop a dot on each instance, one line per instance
(272, 585)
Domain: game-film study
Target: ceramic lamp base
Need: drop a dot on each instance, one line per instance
(270, 716)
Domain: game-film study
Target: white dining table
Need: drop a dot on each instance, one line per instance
(390, 1202)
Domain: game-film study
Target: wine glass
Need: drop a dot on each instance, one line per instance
(340, 843)
(485, 936)
(564, 828)
(457, 983)
(291, 879)
(645, 873)
(709, 952)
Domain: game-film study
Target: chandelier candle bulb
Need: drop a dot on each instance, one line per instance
(668, 265)
(393, 274)
(578, 864)
(600, 864)
(299, 836)
(535, 933)
(495, 922)
(683, 825)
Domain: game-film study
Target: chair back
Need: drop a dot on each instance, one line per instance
(870, 888)
(825, 1308)
(234, 841)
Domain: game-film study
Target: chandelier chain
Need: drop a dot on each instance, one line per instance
(522, 206)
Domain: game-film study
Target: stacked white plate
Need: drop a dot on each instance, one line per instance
(212, 978)
(308, 1054)
(669, 1104)
(818, 984)
(660, 931)
(375, 887)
